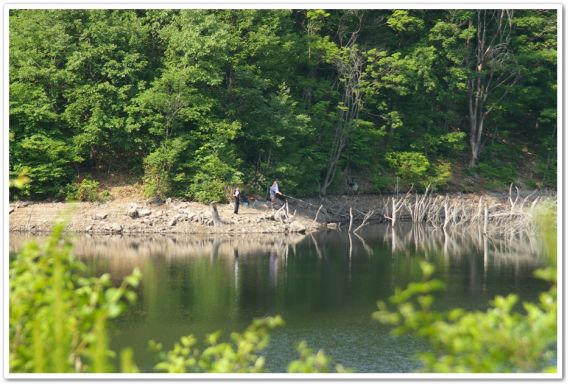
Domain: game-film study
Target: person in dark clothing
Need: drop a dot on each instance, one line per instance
(236, 200)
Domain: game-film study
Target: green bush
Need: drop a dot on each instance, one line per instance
(105, 195)
(86, 190)
(383, 183)
(411, 166)
(20, 181)
(439, 174)
(452, 143)
(415, 169)
(212, 177)
(531, 184)
(498, 165)
(159, 167)
(205, 188)
(446, 145)
(501, 173)
(242, 354)
(58, 316)
(548, 173)
(311, 362)
(47, 162)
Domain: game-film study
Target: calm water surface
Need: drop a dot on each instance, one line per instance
(324, 285)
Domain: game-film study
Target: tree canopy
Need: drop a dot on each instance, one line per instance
(194, 101)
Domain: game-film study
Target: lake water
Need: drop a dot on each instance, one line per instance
(325, 286)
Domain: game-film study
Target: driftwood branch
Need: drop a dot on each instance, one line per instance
(317, 214)
(281, 214)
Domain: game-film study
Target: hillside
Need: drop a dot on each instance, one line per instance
(192, 103)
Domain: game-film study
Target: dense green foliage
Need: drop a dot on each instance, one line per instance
(58, 316)
(86, 190)
(242, 354)
(194, 101)
(311, 362)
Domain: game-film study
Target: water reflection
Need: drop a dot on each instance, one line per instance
(412, 238)
(325, 285)
(404, 240)
(325, 270)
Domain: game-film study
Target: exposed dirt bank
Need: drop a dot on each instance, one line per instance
(119, 217)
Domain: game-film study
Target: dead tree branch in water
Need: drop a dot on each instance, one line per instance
(317, 215)
(419, 208)
(365, 220)
(397, 204)
(505, 213)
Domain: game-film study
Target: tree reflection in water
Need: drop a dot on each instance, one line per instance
(325, 284)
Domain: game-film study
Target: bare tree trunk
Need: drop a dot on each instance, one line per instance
(215, 215)
(352, 72)
(491, 52)
(349, 65)
(394, 212)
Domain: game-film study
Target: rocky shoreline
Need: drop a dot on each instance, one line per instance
(176, 217)
(498, 211)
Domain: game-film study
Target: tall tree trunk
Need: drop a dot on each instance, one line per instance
(488, 64)
(350, 73)
(349, 64)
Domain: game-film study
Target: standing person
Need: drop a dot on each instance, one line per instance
(274, 192)
(236, 200)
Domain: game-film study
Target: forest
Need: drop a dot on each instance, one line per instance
(194, 102)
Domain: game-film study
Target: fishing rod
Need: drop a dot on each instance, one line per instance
(297, 199)
(313, 205)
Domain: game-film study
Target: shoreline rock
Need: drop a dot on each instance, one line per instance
(170, 217)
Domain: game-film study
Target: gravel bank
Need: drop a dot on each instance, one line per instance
(143, 217)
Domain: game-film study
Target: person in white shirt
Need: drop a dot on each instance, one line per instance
(274, 193)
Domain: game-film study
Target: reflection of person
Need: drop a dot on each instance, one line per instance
(273, 268)
(236, 200)
(236, 267)
(274, 192)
